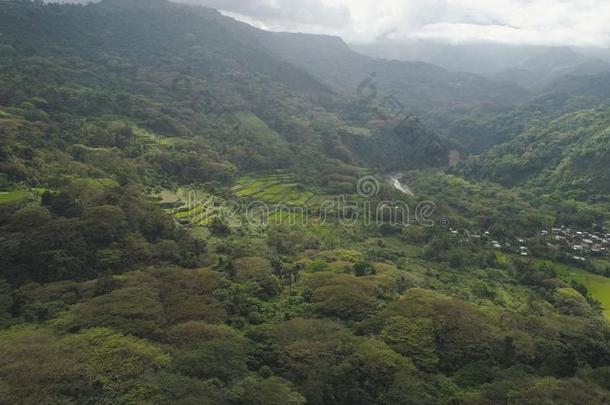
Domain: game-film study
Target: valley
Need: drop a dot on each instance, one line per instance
(194, 210)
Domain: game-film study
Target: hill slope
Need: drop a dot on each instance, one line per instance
(192, 75)
(570, 156)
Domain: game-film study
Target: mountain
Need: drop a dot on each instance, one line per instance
(418, 86)
(569, 157)
(529, 66)
(99, 100)
(548, 65)
(479, 129)
(198, 78)
(593, 86)
(480, 58)
(362, 107)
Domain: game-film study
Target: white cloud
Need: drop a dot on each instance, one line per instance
(546, 22)
(283, 14)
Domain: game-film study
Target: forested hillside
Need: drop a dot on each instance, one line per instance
(475, 112)
(569, 156)
(186, 217)
(189, 79)
(479, 129)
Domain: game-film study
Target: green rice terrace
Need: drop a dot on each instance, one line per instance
(278, 192)
(189, 206)
(275, 189)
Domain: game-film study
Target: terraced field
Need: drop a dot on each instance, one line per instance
(188, 206)
(195, 207)
(287, 201)
(198, 215)
(274, 189)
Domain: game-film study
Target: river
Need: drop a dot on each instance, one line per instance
(395, 179)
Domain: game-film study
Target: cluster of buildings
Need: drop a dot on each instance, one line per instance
(580, 243)
(467, 237)
(577, 244)
(518, 247)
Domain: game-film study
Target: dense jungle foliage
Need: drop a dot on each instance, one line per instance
(115, 290)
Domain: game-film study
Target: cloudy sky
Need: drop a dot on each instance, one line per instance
(544, 22)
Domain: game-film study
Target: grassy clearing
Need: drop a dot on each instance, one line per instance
(258, 127)
(358, 131)
(598, 286)
(13, 196)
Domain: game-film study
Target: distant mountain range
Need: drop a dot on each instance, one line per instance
(418, 86)
(530, 66)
